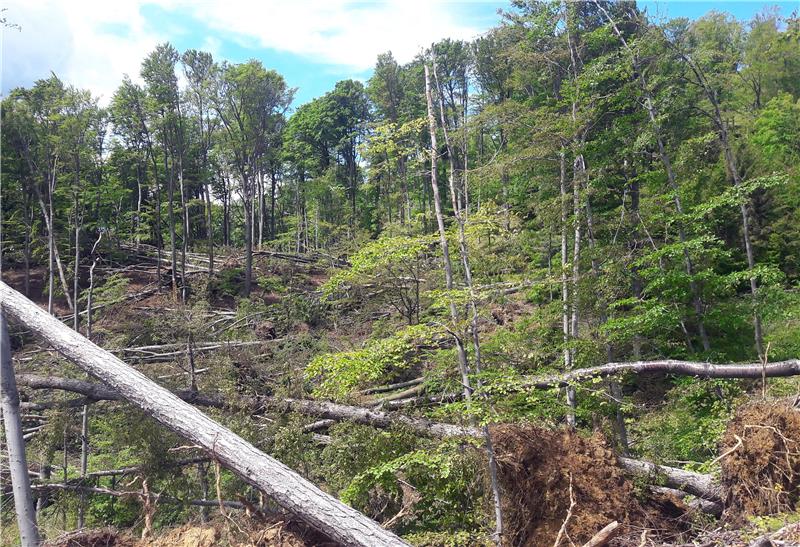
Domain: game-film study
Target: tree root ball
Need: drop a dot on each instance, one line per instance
(761, 460)
(538, 467)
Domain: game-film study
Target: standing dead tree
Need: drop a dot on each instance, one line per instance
(288, 489)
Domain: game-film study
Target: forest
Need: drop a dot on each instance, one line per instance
(535, 289)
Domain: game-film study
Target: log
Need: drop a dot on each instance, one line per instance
(288, 489)
(122, 494)
(321, 409)
(375, 418)
(605, 535)
(703, 505)
(696, 484)
(98, 392)
(392, 387)
(778, 369)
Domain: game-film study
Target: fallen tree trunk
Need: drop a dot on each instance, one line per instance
(697, 484)
(700, 504)
(669, 366)
(375, 418)
(133, 494)
(289, 490)
(99, 392)
(320, 409)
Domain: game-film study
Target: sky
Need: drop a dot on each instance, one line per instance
(314, 43)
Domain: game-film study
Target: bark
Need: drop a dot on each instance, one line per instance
(248, 234)
(565, 304)
(17, 463)
(287, 488)
(185, 245)
(372, 417)
(170, 171)
(778, 369)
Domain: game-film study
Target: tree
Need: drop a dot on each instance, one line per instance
(250, 102)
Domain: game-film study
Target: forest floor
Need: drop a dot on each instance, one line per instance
(551, 477)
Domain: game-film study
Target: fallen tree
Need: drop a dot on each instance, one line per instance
(288, 489)
(778, 369)
(320, 409)
(697, 484)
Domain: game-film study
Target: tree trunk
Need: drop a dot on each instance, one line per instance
(185, 220)
(84, 461)
(448, 268)
(248, 234)
(272, 196)
(287, 488)
(778, 369)
(462, 242)
(17, 463)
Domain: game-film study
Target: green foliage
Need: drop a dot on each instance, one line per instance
(338, 374)
(688, 428)
(111, 291)
(439, 485)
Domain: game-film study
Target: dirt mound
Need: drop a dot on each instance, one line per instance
(103, 537)
(545, 472)
(761, 460)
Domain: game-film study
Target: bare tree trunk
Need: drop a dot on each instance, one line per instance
(289, 490)
(565, 302)
(84, 462)
(272, 192)
(17, 463)
(77, 273)
(138, 224)
(462, 242)
(248, 233)
(185, 246)
(209, 228)
(448, 268)
(169, 171)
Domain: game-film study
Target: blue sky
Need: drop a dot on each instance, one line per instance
(313, 43)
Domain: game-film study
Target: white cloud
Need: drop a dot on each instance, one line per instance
(88, 44)
(92, 43)
(345, 33)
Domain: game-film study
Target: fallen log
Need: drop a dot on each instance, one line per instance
(605, 535)
(99, 392)
(288, 489)
(778, 369)
(700, 504)
(392, 387)
(134, 494)
(697, 484)
(369, 416)
(320, 409)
